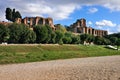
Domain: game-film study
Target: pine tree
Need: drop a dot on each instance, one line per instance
(11, 15)
(8, 14)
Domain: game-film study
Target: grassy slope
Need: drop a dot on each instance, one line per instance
(23, 53)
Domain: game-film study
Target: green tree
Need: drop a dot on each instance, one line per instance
(11, 15)
(118, 43)
(90, 38)
(49, 32)
(113, 40)
(16, 32)
(8, 14)
(85, 37)
(60, 28)
(59, 36)
(106, 41)
(4, 33)
(32, 36)
(20, 33)
(99, 40)
(75, 39)
(67, 39)
(53, 37)
(41, 33)
(27, 36)
(17, 15)
(113, 35)
(68, 34)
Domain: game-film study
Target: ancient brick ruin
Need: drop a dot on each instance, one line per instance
(32, 21)
(80, 27)
(5, 23)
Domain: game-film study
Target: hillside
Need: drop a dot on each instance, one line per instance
(32, 53)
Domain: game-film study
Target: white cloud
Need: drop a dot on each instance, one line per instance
(63, 12)
(109, 31)
(112, 30)
(57, 9)
(106, 23)
(92, 10)
(113, 5)
(89, 23)
(118, 28)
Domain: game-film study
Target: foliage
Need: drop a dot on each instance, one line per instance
(4, 33)
(41, 33)
(15, 32)
(17, 15)
(113, 35)
(31, 36)
(53, 37)
(59, 36)
(28, 36)
(49, 32)
(20, 33)
(87, 37)
(11, 15)
(68, 34)
(60, 28)
(67, 39)
(8, 14)
(84, 37)
(98, 40)
(113, 40)
(75, 39)
(106, 41)
(118, 43)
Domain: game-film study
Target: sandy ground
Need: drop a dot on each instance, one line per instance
(93, 68)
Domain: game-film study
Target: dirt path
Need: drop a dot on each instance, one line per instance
(94, 68)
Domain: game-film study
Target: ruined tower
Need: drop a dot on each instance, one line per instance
(82, 22)
(80, 27)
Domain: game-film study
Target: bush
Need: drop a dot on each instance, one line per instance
(59, 36)
(75, 39)
(18, 33)
(41, 33)
(67, 40)
(4, 33)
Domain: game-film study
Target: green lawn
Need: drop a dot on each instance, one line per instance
(28, 53)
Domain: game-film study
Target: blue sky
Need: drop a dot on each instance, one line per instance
(99, 14)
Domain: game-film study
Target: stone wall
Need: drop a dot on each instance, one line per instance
(80, 27)
(5, 23)
(32, 21)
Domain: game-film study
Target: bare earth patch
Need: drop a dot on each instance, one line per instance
(93, 68)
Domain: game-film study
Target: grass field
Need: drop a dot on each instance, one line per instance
(33, 53)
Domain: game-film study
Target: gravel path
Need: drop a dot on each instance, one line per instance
(93, 68)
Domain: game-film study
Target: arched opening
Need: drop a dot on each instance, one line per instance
(47, 22)
(40, 21)
(89, 31)
(34, 21)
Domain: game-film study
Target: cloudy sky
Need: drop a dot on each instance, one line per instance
(100, 14)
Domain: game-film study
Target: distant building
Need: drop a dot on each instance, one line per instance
(80, 27)
(32, 21)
